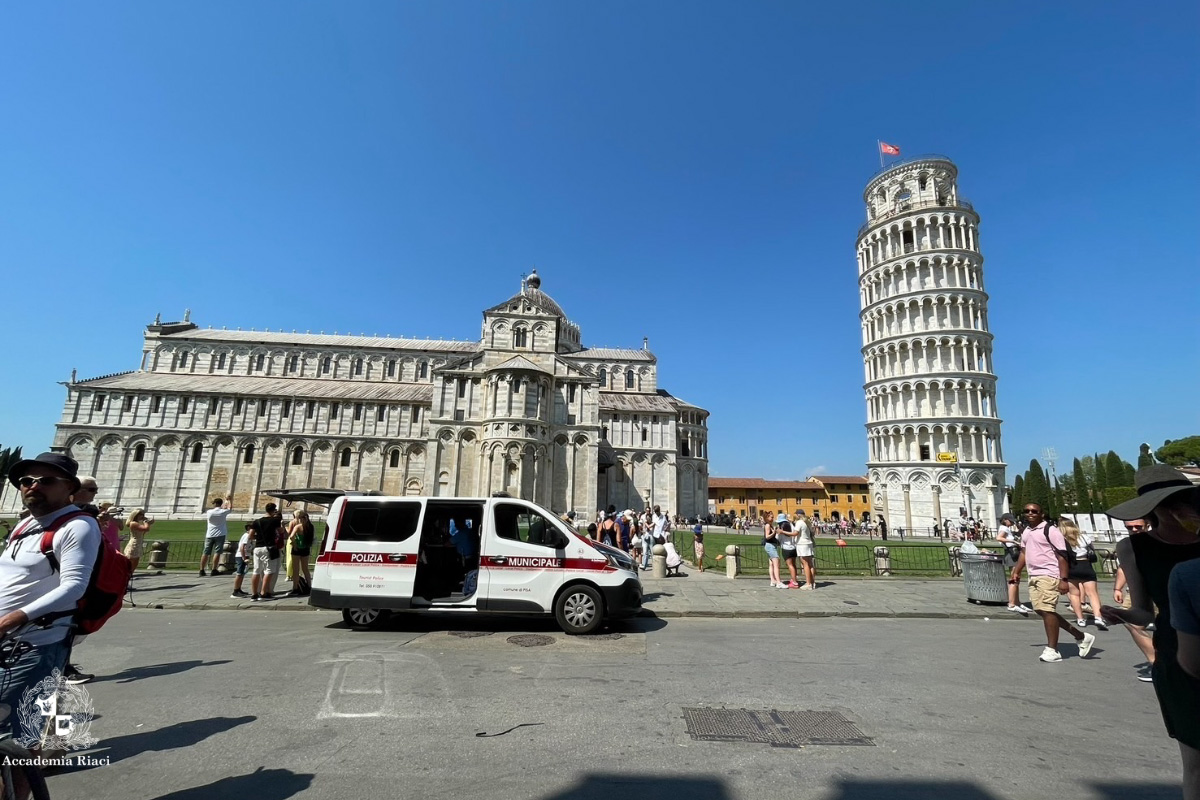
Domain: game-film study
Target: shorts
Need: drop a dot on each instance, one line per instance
(789, 552)
(263, 563)
(27, 672)
(213, 545)
(133, 549)
(239, 565)
(301, 552)
(772, 551)
(1082, 571)
(1043, 592)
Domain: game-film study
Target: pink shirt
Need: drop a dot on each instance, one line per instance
(1040, 558)
(112, 534)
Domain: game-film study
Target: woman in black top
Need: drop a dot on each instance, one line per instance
(1169, 501)
(301, 534)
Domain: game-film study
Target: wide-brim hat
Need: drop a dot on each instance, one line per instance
(781, 518)
(1154, 483)
(60, 463)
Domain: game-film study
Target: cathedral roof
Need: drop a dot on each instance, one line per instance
(168, 382)
(632, 402)
(519, 362)
(677, 402)
(614, 354)
(322, 340)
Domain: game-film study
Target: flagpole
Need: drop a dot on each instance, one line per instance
(879, 147)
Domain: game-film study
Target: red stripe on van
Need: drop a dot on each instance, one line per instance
(372, 559)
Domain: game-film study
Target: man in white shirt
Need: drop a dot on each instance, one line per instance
(215, 534)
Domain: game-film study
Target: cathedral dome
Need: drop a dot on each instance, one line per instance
(531, 291)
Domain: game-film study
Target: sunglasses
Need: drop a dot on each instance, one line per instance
(1031, 511)
(47, 480)
(1135, 528)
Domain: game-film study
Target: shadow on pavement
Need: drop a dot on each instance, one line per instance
(181, 734)
(431, 622)
(909, 790)
(1142, 791)
(644, 787)
(155, 671)
(262, 784)
(169, 588)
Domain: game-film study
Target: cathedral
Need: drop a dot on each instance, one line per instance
(526, 409)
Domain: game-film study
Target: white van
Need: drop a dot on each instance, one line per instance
(380, 555)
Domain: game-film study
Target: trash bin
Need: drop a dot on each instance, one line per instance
(985, 578)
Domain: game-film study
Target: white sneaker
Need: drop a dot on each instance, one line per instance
(1024, 609)
(1014, 609)
(1144, 675)
(781, 586)
(1085, 644)
(1049, 656)
(1100, 623)
(1081, 623)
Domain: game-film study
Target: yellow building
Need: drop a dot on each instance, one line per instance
(827, 497)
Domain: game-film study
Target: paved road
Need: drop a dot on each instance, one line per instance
(270, 705)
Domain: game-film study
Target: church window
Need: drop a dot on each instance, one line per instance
(462, 387)
(310, 409)
(571, 393)
(286, 410)
(197, 452)
(221, 361)
(346, 455)
(99, 404)
(629, 379)
(139, 453)
(459, 415)
(297, 456)
(424, 369)
(604, 433)
(258, 362)
(237, 406)
(262, 408)
(685, 449)
(380, 411)
(520, 338)
(128, 402)
(183, 360)
(391, 368)
(358, 366)
(922, 182)
(645, 431)
(183, 404)
(358, 411)
(155, 404)
(570, 419)
(395, 459)
(333, 410)
(603, 377)
(248, 454)
(292, 363)
(924, 452)
(325, 364)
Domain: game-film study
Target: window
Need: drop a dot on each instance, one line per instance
(519, 524)
(571, 393)
(292, 363)
(924, 452)
(603, 377)
(333, 410)
(128, 403)
(685, 451)
(221, 361)
(183, 360)
(380, 412)
(297, 456)
(604, 433)
(139, 453)
(98, 405)
(325, 364)
(310, 408)
(262, 408)
(381, 522)
(237, 406)
(921, 182)
(462, 387)
(629, 379)
(346, 456)
(518, 386)
(197, 452)
(286, 409)
(358, 411)
(644, 432)
(155, 404)
(183, 404)
(520, 338)
(864, 499)
(248, 454)
(358, 366)
(570, 419)
(459, 415)
(258, 362)
(391, 368)
(394, 459)
(833, 498)
(416, 415)
(424, 369)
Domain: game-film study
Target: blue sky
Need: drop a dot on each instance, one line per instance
(687, 171)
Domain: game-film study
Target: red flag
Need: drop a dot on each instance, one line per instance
(889, 149)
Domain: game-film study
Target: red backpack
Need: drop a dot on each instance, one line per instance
(106, 587)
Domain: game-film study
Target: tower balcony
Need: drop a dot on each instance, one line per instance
(905, 206)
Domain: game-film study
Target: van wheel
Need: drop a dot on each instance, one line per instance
(363, 619)
(579, 610)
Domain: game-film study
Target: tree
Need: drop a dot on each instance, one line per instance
(1089, 469)
(1114, 470)
(1130, 474)
(1037, 488)
(1180, 452)
(1100, 482)
(1084, 495)
(1018, 494)
(9, 456)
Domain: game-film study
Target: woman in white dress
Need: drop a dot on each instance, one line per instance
(806, 550)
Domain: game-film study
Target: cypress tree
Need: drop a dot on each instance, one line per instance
(1083, 494)
(1037, 487)
(1114, 470)
(1101, 482)
(1130, 474)
(1018, 495)
(1059, 506)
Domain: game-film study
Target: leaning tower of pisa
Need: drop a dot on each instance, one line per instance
(932, 427)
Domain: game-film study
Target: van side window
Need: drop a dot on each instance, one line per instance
(385, 522)
(522, 525)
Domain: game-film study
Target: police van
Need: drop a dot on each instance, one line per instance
(381, 555)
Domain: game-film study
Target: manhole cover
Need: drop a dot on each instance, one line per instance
(607, 636)
(531, 640)
(850, 602)
(769, 726)
(470, 634)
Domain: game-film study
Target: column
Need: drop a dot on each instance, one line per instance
(936, 489)
(908, 526)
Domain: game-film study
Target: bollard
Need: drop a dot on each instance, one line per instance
(956, 561)
(883, 561)
(658, 561)
(158, 555)
(223, 563)
(733, 558)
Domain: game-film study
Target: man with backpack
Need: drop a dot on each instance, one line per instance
(36, 580)
(1044, 552)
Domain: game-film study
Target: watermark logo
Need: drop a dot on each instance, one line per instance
(60, 711)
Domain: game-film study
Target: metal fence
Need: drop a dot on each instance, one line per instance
(180, 554)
